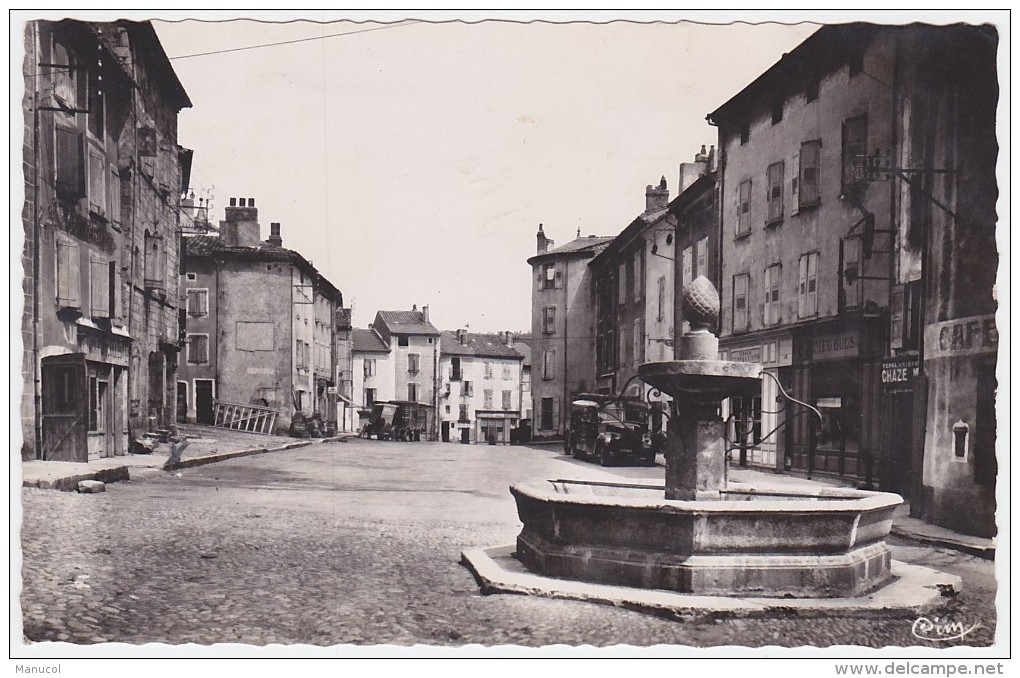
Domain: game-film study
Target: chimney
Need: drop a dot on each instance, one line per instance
(701, 156)
(425, 313)
(656, 197)
(274, 234)
(240, 226)
(414, 308)
(462, 336)
(711, 159)
(544, 243)
(508, 338)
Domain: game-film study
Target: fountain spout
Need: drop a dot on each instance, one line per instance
(698, 382)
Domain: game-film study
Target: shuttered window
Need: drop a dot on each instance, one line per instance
(810, 157)
(68, 274)
(807, 298)
(740, 315)
(855, 145)
(198, 349)
(198, 302)
(155, 261)
(70, 161)
(99, 288)
(773, 275)
(97, 170)
(507, 404)
(774, 197)
(744, 208)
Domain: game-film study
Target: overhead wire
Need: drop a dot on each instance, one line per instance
(410, 22)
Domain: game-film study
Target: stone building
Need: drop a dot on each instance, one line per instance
(414, 349)
(562, 328)
(372, 372)
(857, 197)
(262, 324)
(479, 387)
(103, 176)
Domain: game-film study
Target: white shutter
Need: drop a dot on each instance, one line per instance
(802, 288)
(556, 414)
(68, 275)
(99, 289)
(812, 276)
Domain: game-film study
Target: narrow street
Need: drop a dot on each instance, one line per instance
(359, 543)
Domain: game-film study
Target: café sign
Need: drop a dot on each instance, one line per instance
(965, 336)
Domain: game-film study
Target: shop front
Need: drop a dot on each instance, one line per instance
(757, 426)
(836, 370)
(494, 426)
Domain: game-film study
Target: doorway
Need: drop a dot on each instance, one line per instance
(446, 432)
(204, 401)
(64, 408)
(901, 440)
(182, 402)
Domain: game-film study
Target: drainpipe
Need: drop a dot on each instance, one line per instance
(566, 327)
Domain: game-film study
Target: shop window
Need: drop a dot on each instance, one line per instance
(507, 400)
(549, 320)
(68, 274)
(855, 146)
(774, 197)
(810, 157)
(549, 364)
(773, 311)
(412, 392)
(198, 349)
(744, 208)
(807, 290)
(412, 363)
(487, 398)
(740, 315)
(99, 289)
(198, 302)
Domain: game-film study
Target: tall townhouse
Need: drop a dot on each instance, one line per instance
(103, 176)
(344, 348)
(857, 199)
(261, 324)
(372, 372)
(806, 250)
(480, 387)
(562, 328)
(414, 343)
(620, 295)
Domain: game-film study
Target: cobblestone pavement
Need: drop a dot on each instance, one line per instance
(359, 543)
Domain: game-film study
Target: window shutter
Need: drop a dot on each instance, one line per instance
(556, 413)
(802, 288)
(68, 276)
(812, 275)
(97, 182)
(99, 289)
(794, 182)
(115, 293)
(70, 157)
(559, 278)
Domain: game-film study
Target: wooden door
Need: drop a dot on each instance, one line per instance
(65, 411)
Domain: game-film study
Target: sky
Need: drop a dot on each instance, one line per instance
(412, 160)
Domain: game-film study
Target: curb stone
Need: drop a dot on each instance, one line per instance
(224, 456)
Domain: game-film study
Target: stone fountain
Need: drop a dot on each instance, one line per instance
(695, 534)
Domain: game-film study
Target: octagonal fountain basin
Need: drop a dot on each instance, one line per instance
(828, 544)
